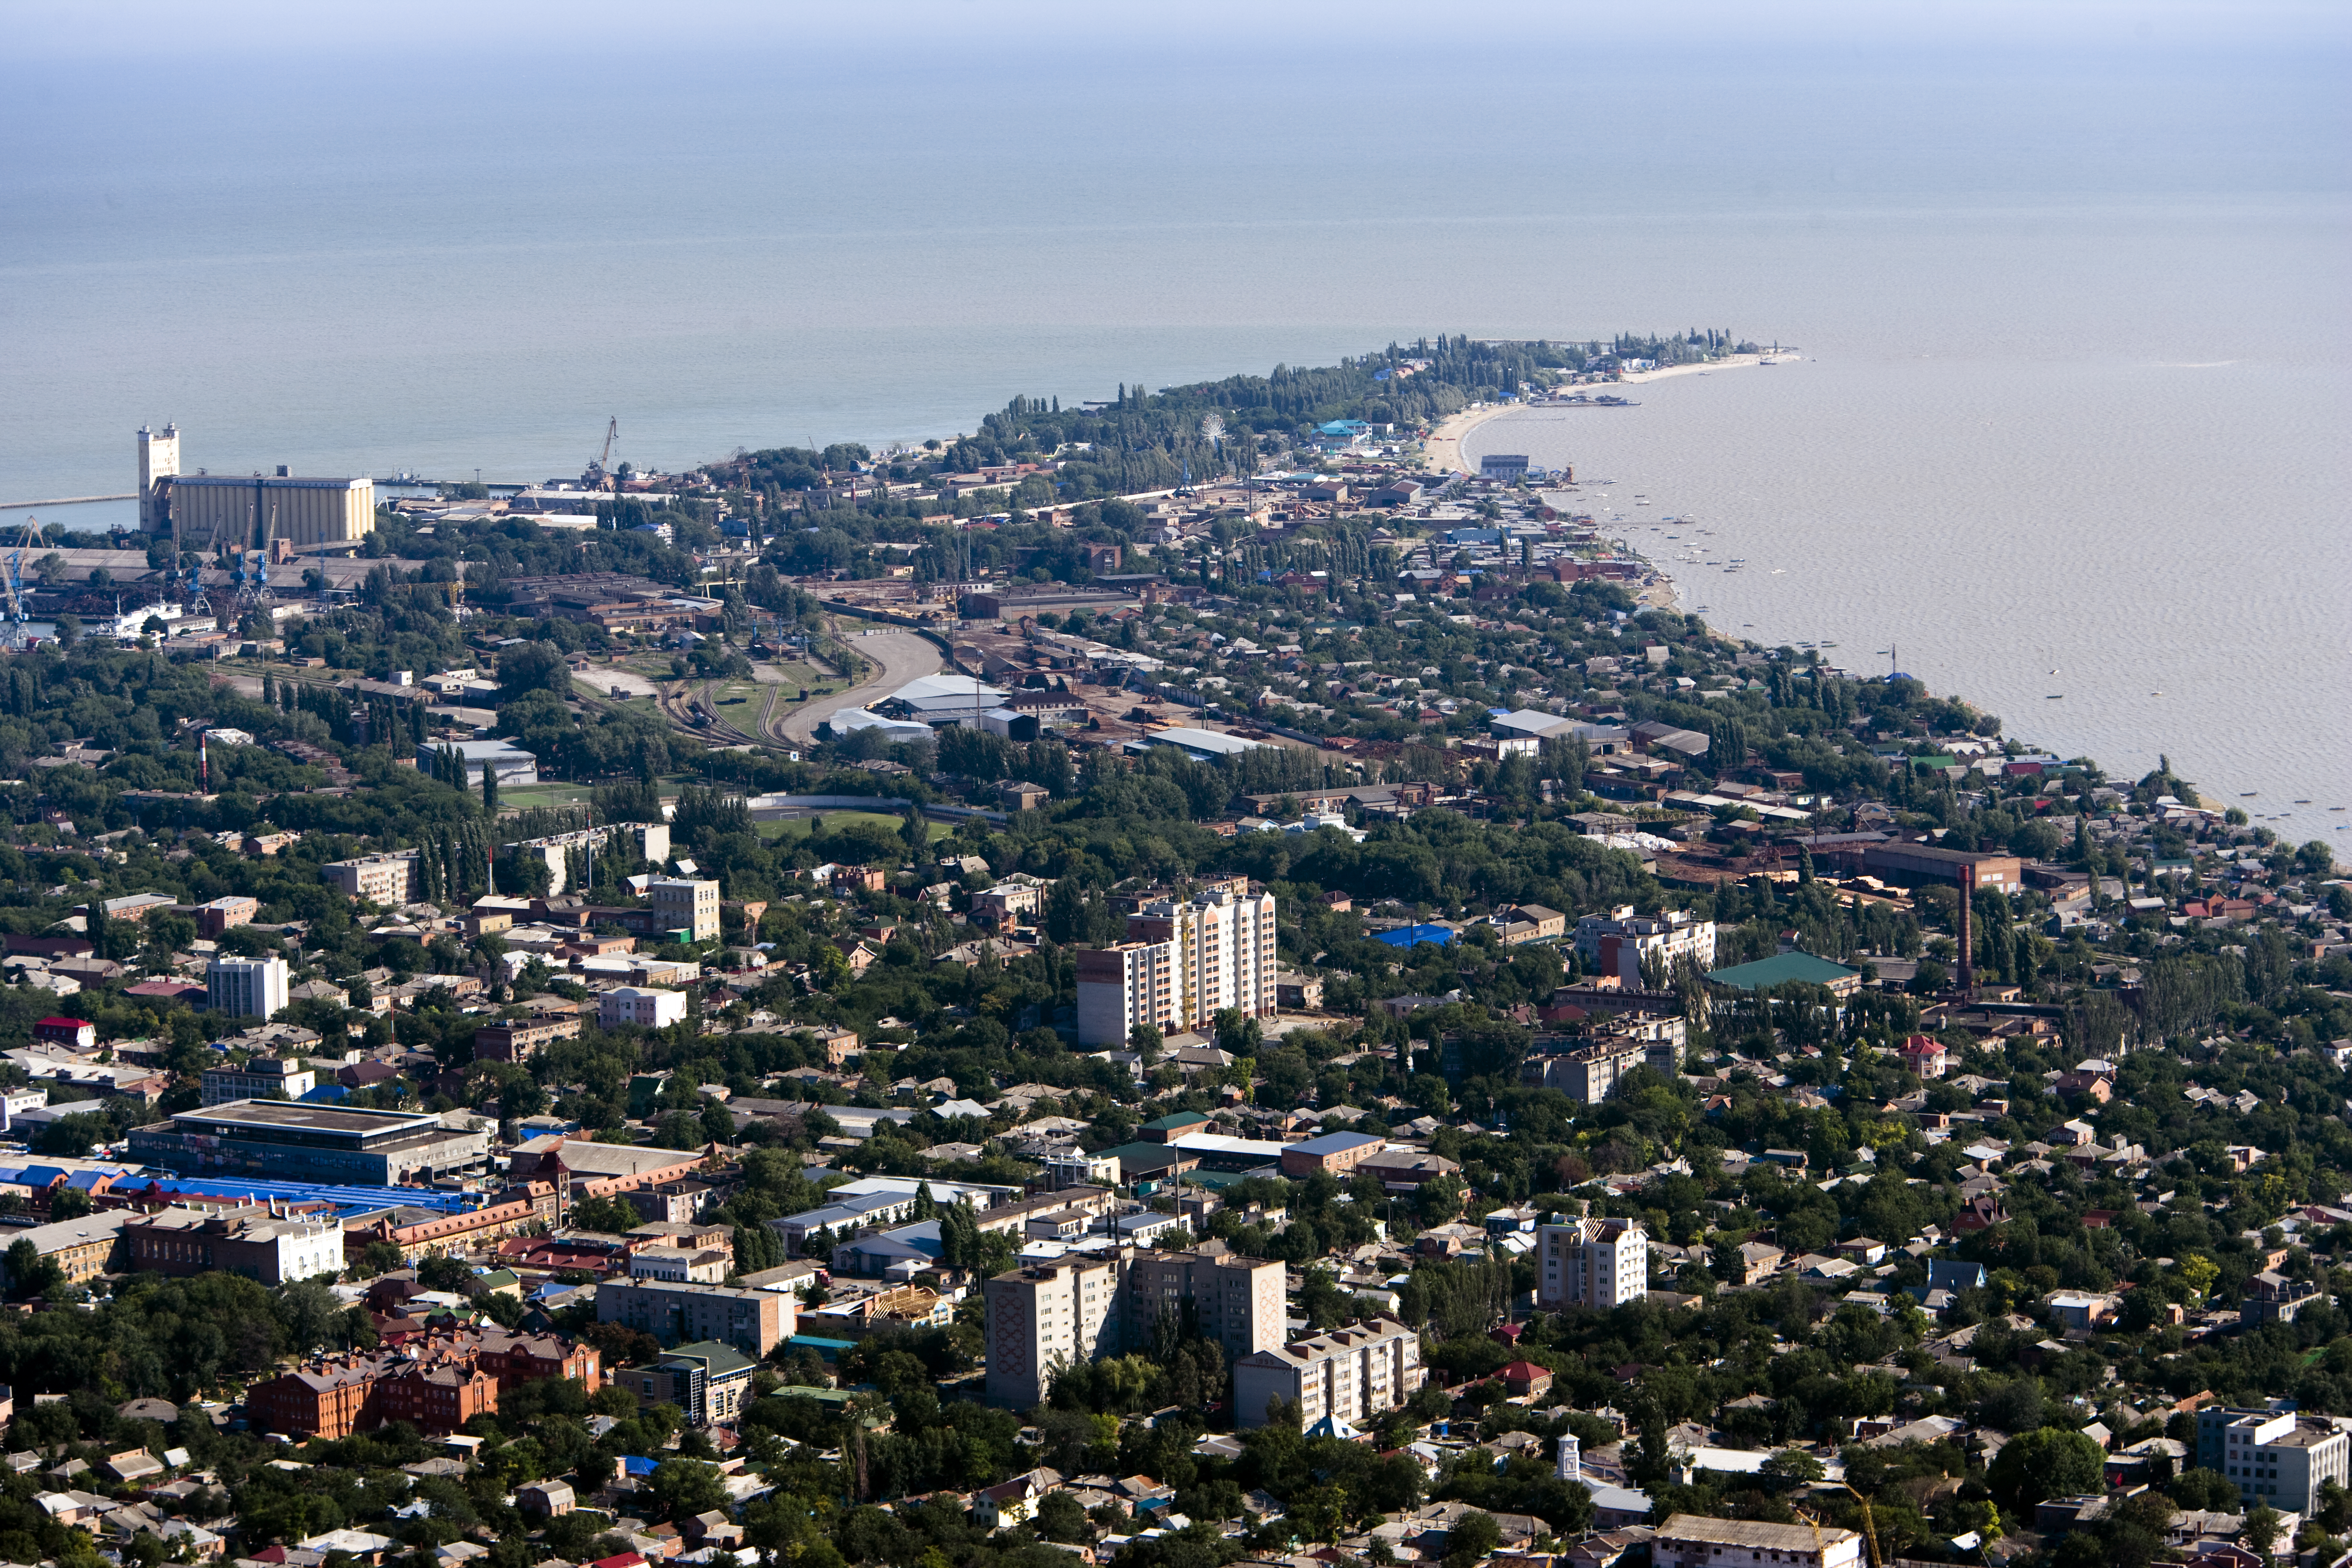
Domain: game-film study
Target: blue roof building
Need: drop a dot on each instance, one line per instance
(1413, 936)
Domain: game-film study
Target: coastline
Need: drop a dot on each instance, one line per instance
(1442, 449)
(1667, 593)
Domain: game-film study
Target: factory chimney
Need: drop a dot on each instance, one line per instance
(1967, 937)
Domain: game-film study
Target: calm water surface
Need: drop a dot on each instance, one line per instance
(2073, 395)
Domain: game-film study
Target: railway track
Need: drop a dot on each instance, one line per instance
(696, 712)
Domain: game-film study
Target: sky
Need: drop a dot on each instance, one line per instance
(424, 35)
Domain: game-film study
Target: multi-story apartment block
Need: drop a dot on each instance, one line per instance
(1044, 1317)
(1233, 1300)
(753, 1321)
(1185, 961)
(247, 988)
(2273, 1456)
(1619, 942)
(1349, 1375)
(686, 903)
(1076, 1310)
(1589, 1073)
(386, 879)
(1125, 988)
(263, 1078)
(1597, 1263)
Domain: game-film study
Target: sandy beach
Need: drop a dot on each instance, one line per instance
(1443, 448)
(1728, 362)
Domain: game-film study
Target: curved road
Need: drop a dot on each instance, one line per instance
(904, 656)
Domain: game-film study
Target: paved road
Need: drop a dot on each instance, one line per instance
(904, 656)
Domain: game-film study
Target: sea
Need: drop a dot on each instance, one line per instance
(2064, 429)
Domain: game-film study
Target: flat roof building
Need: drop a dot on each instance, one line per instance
(391, 880)
(753, 1321)
(1912, 862)
(294, 1142)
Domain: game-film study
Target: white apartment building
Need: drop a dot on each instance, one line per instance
(684, 903)
(642, 1005)
(247, 988)
(1185, 961)
(1694, 1540)
(387, 879)
(1617, 942)
(263, 1078)
(1122, 988)
(1350, 1374)
(1045, 1317)
(2280, 1459)
(1597, 1263)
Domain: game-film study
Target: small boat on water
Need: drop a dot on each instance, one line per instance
(2055, 696)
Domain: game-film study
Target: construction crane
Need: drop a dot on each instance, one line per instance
(1869, 1528)
(594, 478)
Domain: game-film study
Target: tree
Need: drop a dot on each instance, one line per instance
(533, 667)
(1472, 1540)
(29, 1273)
(2262, 1524)
(2045, 1464)
(442, 1272)
(1061, 1516)
(1794, 1465)
(611, 1217)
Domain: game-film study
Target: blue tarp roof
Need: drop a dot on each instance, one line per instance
(342, 1197)
(632, 1465)
(1412, 935)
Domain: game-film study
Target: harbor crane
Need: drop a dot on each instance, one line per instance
(595, 475)
(13, 637)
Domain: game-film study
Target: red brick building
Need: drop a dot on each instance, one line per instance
(437, 1384)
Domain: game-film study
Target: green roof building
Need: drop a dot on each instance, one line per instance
(707, 1381)
(1168, 1129)
(1781, 968)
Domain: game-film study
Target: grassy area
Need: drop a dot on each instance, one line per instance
(798, 828)
(545, 794)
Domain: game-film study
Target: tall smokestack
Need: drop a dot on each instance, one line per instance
(203, 767)
(1967, 945)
